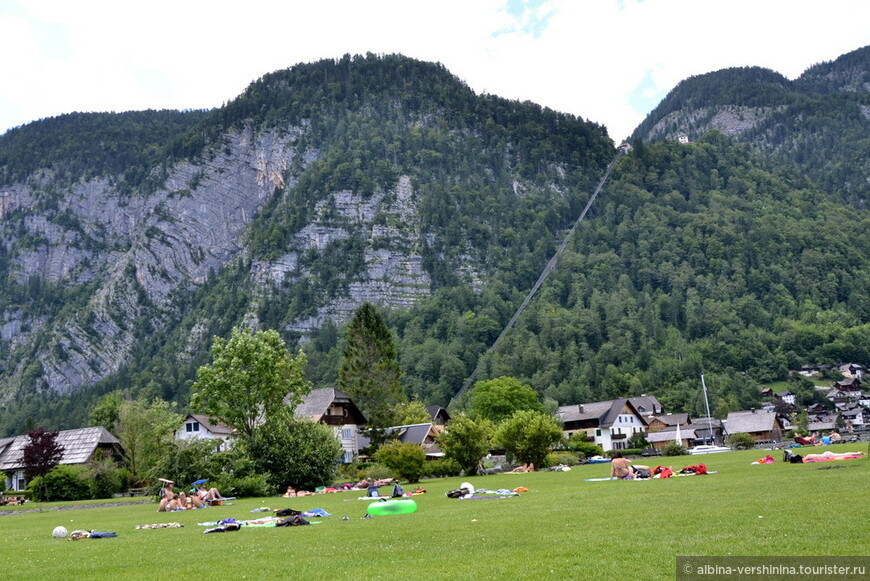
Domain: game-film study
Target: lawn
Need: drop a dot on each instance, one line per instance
(565, 528)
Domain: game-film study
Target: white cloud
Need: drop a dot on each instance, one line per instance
(597, 59)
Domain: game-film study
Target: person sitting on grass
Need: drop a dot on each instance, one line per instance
(620, 467)
(208, 494)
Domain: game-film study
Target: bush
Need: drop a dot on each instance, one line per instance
(585, 449)
(674, 449)
(741, 441)
(245, 486)
(627, 452)
(442, 468)
(104, 477)
(406, 459)
(559, 458)
(377, 471)
(62, 483)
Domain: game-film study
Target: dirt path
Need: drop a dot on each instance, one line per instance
(74, 506)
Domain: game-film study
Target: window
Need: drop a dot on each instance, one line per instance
(597, 432)
(348, 456)
(345, 434)
(191, 427)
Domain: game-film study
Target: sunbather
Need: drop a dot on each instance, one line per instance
(620, 467)
(828, 455)
(208, 494)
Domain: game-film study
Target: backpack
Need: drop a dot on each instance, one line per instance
(458, 493)
(398, 491)
(642, 473)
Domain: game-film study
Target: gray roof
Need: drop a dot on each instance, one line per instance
(750, 422)
(214, 428)
(605, 412)
(673, 419)
(317, 402)
(78, 446)
(414, 433)
(647, 405)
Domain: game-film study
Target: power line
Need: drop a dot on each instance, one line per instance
(551, 265)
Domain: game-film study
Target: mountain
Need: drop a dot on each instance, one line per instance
(129, 240)
(820, 121)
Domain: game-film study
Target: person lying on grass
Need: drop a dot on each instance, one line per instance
(828, 455)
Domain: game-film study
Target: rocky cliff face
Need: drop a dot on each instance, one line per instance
(142, 253)
(140, 250)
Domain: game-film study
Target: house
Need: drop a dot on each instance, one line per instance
(198, 426)
(607, 423)
(839, 398)
(786, 396)
(425, 435)
(647, 405)
(336, 409)
(822, 423)
(661, 438)
(438, 415)
(80, 446)
(855, 415)
(761, 425)
(707, 431)
(665, 421)
(849, 385)
(852, 370)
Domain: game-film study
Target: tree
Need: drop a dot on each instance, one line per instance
(741, 441)
(528, 436)
(146, 431)
(369, 371)
(498, 399)
(407, 460)
(251, 378)
(41, 454)
(295, 452)
(412, 412)
(466, 441)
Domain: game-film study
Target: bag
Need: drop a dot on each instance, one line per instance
(398, 491)
(458, 493)
(287, 512)
(796, 459)
(642, 473)
(293, 521)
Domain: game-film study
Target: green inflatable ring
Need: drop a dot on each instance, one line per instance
(402, 506)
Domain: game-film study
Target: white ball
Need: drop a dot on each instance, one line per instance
(59, 532)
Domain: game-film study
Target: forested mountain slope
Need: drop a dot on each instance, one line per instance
(330, 183)
(386, 179)
(820, 121)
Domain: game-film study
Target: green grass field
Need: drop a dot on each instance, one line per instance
(566, 528)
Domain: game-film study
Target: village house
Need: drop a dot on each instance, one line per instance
(424, 435)
(607, 423)
(438, 415)
(336, 409)
(196, 426)
(762, 425)
(80, 446)
(665, 421)
(786, 396)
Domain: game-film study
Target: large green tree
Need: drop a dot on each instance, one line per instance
(295, 452)
(528, 436)
(497, 399)
(466, 441)
(251, 378)
(369, 371)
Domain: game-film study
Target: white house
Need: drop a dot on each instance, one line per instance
(197, 426)
(609, 423)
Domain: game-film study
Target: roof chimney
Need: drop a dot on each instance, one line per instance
(580, 408)
(753, 410)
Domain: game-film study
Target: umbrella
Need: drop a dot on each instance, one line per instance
(201, 481)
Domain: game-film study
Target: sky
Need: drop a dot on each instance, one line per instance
(607, 61)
